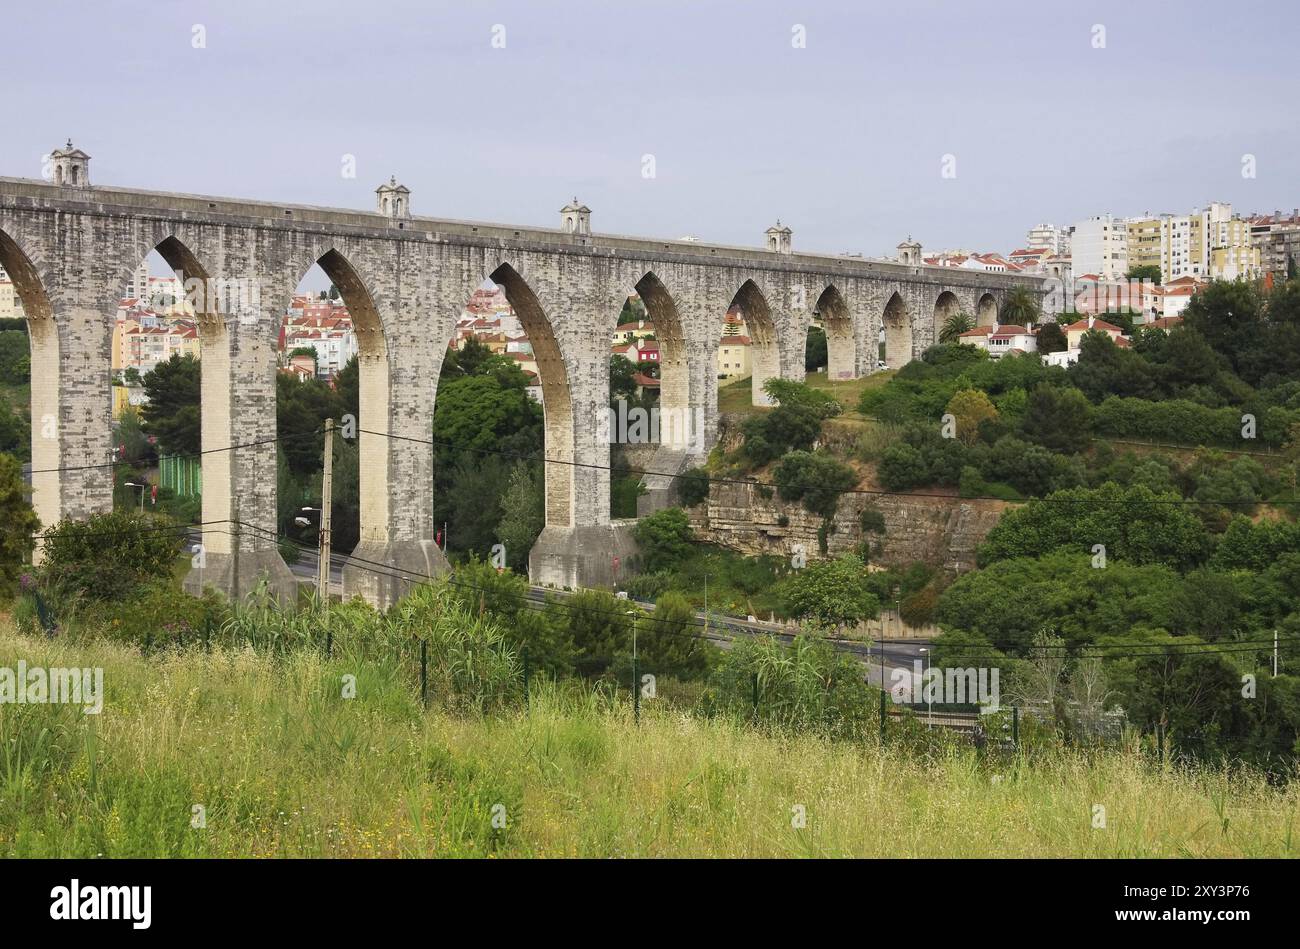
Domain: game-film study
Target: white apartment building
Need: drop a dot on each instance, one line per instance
(1100, 246)
(1049, 236)
(1207, 243)
(333, 348)
(11, 308)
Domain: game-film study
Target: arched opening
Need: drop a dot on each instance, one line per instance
(34, 438)
(157, 386)
(502, 427)
(945, 308)
(764, 347)
(678, 427)
(332, 362)
(555, 398)
(896, 334)
(653, 425)
(839, 344)
(986, 311)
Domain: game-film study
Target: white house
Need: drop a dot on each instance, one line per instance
(1000, 339)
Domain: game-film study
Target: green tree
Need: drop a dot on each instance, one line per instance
(815, 355)
(693, 486)
(478, 413)
(669, 642)
(1131, 523)
(1058, 419)
(664, 537)
(301, 408)
(832, 592)
(1021, 307)
(15, 433)
(807, 685)
(1229, 316)
(622, 385)
(902, 467)
(1145, 272)
(523, 513)
(600, 626)
(171, 410)
(471, 505)
(954, 326)
(18, 522)
(347, 383)
(107, 556)
(970, 408)
(816, 479)
(1051, 339)
(15, 358)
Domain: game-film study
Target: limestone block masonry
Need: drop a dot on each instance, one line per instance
(942, 532)
(71, 249)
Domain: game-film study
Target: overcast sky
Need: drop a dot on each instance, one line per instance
(843, 139)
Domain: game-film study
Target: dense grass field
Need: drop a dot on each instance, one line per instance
(282, 765)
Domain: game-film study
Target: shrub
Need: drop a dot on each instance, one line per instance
(17, 524)
(814, 478)
(159, 615)
(1132, 523)
(471, 664)
(902, 467)
(693, 487)
(805, 686)
(970, 408)
(108, 555)
(871, 521)
(833, 592)
(664, 537)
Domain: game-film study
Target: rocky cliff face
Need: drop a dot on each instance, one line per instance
(940, 531)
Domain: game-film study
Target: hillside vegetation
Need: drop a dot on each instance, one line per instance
(283, 766)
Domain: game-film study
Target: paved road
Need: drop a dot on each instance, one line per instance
(721, 629)
(305, 568)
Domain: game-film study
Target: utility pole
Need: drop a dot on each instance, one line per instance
(326, 503)
(1274, 652)
(706, 605)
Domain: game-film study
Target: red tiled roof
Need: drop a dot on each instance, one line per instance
(1096, 325)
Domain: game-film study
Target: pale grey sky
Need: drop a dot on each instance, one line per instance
(843, 140)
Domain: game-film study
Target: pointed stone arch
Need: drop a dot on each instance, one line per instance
(897, 324)
(986, 309)
(841, 340)
(43, 336)
(675, 402)
(765, 343)
(946, 306)
(557, 400)
(374, 422)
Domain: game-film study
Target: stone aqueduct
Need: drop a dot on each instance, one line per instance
(70, 249)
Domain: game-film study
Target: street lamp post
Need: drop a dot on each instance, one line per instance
(929, 696)
(132, 484)
(322, 553)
